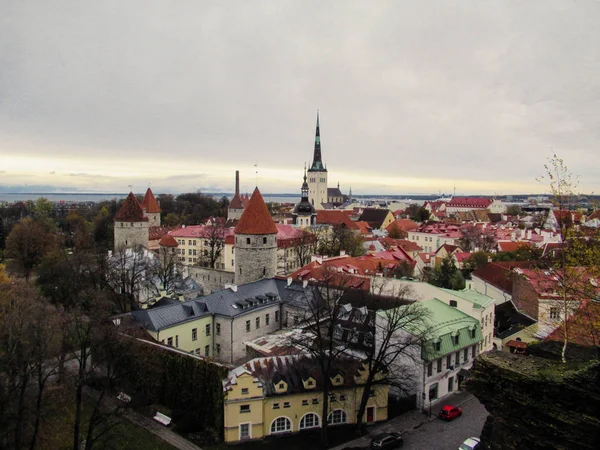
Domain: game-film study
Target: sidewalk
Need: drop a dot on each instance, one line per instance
(407, 421)
(148, 424)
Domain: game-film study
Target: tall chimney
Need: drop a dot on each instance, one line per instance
(237, 182)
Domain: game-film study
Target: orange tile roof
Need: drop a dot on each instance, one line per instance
(403, 225)
(149, 203)
(236, 202)
(168, 241)
(131, 211)
(364, 227)
(256, 218)
(336, 217)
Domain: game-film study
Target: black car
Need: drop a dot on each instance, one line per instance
(387, 440)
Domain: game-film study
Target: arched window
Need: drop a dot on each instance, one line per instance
(310, 420)
(281, 425)
(337, 417)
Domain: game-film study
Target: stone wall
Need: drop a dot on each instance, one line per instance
(254, 258)
(537, 403)
(210, 279)
(130, 234)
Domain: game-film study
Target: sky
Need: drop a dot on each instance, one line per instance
(414, 97)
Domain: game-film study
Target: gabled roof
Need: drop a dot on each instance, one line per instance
(256, 218)
(499, 274)
(403, 225)
(168, 241)
(374, 216)
(335, 218)
(469, 202)
(149, 203)
(131, 211)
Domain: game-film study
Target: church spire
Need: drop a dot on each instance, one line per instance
(304, 187)
(317, 164)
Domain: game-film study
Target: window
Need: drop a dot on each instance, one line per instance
(177, 341)
(474, 351)
(430, 369)
(448, 361)
(207, 329)
(244, 408)
(281, 386)
(218, 349)
(433, 391)
(248, 241)
(170, 341)
(336, 417)
(310, 420)
(453, 303)
(304, 402)
(439, 365)
(315, 401)
(207, 350)
(473, 333)
(554, 313)
(247, 326)
(286, 404)
(342, 398)
(194, 334)
(455, 339)
(466, 354)
(438, 346)
(281, 425)
(258, 322)
(310, 383)
(275, 405)
(264, 240)
(457, 362)
(244, 391)
(267, 319)
(276, 316)
(218, 329)
(244, 431)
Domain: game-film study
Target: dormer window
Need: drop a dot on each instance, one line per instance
(244, 391)
(453, 303)
(281, 386)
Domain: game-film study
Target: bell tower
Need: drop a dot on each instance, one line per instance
(317, 175)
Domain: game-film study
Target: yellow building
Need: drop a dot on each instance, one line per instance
(278, 395)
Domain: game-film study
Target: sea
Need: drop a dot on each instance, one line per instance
(10, 197)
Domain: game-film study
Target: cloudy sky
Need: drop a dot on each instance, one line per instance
(414, 97)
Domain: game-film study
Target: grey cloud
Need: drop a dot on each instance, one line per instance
(462, 90)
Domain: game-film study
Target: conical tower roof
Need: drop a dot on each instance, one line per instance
(149, 203)
(131, 211)
(256, 218)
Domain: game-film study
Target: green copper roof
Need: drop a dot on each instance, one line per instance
(479, 300)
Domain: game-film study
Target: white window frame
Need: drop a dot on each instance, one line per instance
(274, 422)
(331, 419)
(249, 430)
(316, 424)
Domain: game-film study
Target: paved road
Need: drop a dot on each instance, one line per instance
(442, 435)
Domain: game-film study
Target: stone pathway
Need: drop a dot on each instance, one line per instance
(146, 423)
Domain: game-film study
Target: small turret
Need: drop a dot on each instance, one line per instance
(131, 225)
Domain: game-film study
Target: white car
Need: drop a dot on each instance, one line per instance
(470, 444)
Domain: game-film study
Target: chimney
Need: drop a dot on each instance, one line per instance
(304, 284)
(231, 286)
(289, 281)
(237, 182)
(342, 252)
(529, 234)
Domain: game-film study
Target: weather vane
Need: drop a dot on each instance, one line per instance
(256, 173)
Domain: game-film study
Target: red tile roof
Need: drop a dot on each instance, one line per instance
(256, 218)
(168, 241)
(149, 203)
(364, 227)
(236, 202)
(511, 246)
(405, 244)
(469, 202)
(131, 211)
(402, 225)
(499, 274)
(336, 217)
(155, 233)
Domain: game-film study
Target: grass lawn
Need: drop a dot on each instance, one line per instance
(57, 431)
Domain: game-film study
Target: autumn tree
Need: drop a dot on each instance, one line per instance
(396, 232)
(473, 238)
(27, 244)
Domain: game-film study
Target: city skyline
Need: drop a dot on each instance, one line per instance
(413, 99)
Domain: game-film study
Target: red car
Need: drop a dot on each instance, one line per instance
(449, 412)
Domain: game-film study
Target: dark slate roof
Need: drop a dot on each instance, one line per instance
(334, 192)
(375, 216)
(509, 321)
(228, 302)
(164, 301)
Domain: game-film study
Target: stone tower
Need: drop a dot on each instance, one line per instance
(255, 248)
(304, 213)
(151, 208)
(317, 175)
(131, 225)
(236, 206)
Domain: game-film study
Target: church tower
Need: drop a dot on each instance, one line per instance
(131, 225)
(236, 206)
(304, 213)
(317, 175)
(255, 251)
(151, 208)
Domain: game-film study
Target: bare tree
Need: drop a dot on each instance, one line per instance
(164, 273)
(304, 248)
(126, 274)
(214, 242)
(473, 237)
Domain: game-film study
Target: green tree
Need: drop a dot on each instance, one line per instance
(514, 210)
(446, 275)
(475, 261)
